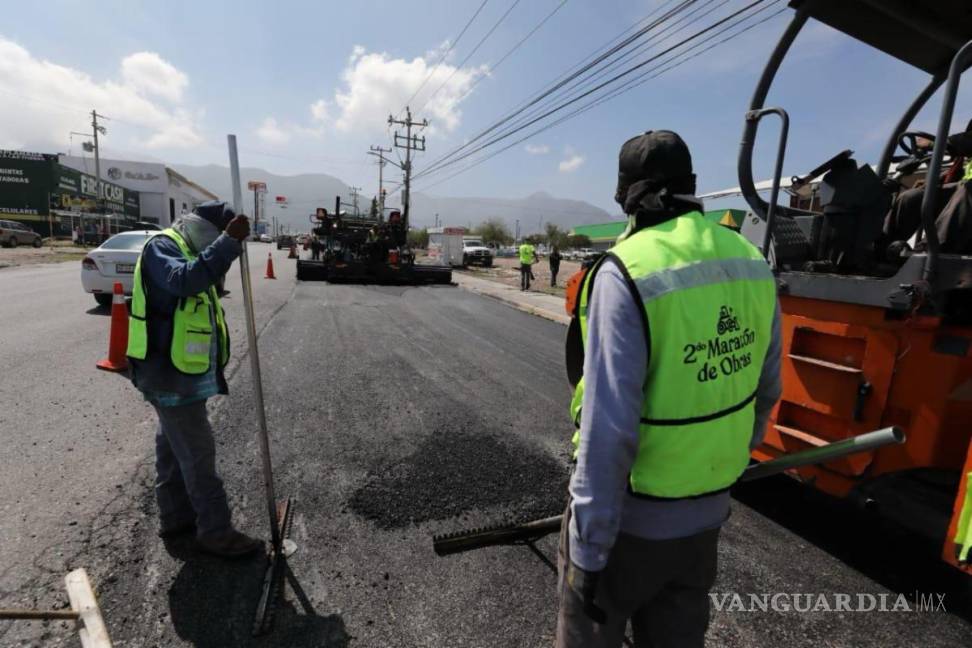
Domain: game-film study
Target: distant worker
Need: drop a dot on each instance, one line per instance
(178, 345)
(680, 339)
(527, 259)
(315, 248)
(554, 261)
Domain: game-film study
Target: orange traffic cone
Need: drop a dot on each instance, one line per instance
(118, 337)
(269, 266)
(293, 251)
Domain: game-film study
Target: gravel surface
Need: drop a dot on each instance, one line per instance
(399, 413)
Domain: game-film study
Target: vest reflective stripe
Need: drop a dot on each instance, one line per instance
(192, 322)
(708, 300)
(963, 534)
(968, 172)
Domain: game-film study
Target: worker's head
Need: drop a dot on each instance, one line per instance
(216, 212)
(653, 167)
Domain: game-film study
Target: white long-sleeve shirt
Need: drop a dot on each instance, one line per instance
(615, 365)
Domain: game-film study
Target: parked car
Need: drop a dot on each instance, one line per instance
(284, 241)
(266, 238)
(474, 252)
(13, 234)
(506, 252)
(114, 260)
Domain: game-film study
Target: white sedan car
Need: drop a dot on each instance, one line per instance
(113, 261)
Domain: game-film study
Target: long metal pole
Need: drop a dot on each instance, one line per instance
(251, 338)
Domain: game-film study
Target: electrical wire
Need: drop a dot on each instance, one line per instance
(569, 76)
(452, 45)
(638, 81)
(469, 55)
(493, 66)
(598, 87)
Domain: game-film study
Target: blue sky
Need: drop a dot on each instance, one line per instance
(306, 86)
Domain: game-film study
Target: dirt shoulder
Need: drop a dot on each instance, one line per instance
(21, 255)
(507, 271)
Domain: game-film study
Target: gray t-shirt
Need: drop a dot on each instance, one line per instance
(615, 366)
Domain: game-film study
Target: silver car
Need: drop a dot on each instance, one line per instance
(114, 261)
(13, 234)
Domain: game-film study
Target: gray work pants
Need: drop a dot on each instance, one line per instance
(186, 485)
(661, 585)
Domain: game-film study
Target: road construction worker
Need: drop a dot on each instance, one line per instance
(678, 327)
(527, 259)
(178, 345)
(554, 261)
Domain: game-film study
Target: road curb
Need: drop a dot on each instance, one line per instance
(499, 295)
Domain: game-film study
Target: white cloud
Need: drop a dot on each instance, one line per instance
(272, 133)
(571, 163)
(537, 149)
(376, 85)
(44, 100)
(148, 72)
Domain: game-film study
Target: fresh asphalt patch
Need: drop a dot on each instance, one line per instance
(445, 477)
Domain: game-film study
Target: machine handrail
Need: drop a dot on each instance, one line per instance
(754, 116)
(933, 187)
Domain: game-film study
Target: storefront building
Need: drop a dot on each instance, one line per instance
(164, 194)
(36, 190)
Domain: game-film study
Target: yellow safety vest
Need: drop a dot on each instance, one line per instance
(709, 299)
(192, 324)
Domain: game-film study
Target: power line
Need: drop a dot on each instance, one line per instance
(492, 68)
(594, 75)
(598, 87)
(638, 81)
(442, 58)
(564, 79)
(469, 55)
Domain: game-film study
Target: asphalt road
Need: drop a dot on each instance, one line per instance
(395, 413)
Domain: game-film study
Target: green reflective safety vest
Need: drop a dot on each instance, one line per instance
(709, 298)
(963, 535)
(968, 172)
(192, 323)
(526, 254)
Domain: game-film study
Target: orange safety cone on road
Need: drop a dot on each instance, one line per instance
(293, 251)
(270, 274)
(118, 335)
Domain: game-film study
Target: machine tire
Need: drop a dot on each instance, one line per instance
(465, 260)
(488, 263)
(37, 242)
(12, 242)
(103, 299)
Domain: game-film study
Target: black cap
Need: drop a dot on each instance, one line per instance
(660, 158)
(216, 212)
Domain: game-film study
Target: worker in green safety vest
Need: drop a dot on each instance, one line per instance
(528, 257)
(678, 331)
(178, 345)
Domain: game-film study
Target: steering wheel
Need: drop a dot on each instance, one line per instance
(908, 141)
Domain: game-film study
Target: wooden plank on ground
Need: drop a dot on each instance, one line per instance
(93, 634)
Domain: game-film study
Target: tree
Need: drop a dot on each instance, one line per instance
(555, 235)
(418, 238)
(494, 232)
(373, 212)
(578, 241)
(535, 239)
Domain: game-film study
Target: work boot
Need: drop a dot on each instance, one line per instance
(184, 528)
(229, 544)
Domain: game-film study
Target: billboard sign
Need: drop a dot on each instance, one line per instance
(256, 185)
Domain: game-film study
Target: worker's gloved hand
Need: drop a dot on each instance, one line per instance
(239, 227)
(584, 584)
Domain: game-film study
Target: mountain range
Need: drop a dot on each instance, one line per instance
(308, 191)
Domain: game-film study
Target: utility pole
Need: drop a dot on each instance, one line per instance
(380, 153)
(99, 192)
(354, 199)
(412, 143)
